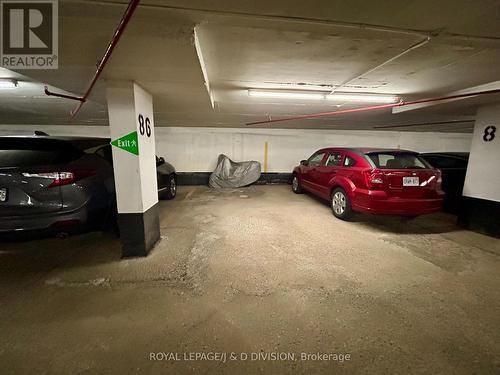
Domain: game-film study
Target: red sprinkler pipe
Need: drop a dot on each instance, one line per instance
(114, 41)
(375, 107)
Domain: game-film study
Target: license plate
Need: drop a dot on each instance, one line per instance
(3, 195)
(411, 181)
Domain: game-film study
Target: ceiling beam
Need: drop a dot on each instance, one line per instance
(412, 107)
(468, 121)
(304, 20)
(199, 53)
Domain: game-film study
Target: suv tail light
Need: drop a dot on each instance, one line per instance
(374, 179)
(62, 178)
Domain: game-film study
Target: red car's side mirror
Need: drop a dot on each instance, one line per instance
(304, 162)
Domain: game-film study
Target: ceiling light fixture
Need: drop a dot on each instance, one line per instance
(8, 83)
(364, 98)
(287, 94)
(323, 95)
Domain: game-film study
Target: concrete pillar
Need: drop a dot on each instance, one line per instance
(481, 206)
(130, 110)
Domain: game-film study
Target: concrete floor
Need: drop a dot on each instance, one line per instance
(256, 270)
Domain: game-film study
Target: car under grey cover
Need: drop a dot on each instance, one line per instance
(230, 174)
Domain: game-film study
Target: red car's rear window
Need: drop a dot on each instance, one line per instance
(397, 160)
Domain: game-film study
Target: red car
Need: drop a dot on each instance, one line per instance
(378, 181)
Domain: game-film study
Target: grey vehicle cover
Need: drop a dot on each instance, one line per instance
(229, 174)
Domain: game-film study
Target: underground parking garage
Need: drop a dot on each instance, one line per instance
(274, 187)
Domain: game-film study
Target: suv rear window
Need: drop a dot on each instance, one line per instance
(446, 162)
(29, 152)
(397, 160)
(89, 145)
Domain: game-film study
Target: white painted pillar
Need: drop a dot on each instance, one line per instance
(130, 110)
(481, 208)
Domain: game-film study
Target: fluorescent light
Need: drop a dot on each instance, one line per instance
(286, 94)
(7, 83)
(367, 98)
(323, 95)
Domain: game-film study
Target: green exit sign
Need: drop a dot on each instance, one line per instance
(128, 143)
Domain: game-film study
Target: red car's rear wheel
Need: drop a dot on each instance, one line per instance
(341, 205)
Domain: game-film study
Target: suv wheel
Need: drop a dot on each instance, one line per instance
(296, 188)
(341, 206)
(171, 188)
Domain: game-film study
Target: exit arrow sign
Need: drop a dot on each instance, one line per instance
(128, 143)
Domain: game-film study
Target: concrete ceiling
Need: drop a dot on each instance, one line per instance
(315, 45)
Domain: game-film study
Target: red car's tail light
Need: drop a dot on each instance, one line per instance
(374, 179)
(62, 178)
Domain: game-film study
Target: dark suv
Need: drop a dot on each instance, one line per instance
(453, 166)
(61, 183)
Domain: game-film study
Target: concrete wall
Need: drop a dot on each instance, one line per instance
(196, 149)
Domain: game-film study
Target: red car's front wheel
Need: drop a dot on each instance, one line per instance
(296, 188)
(341, 205)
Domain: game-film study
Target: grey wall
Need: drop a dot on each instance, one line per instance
(196, 149)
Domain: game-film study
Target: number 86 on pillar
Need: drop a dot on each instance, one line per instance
(144, 125)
